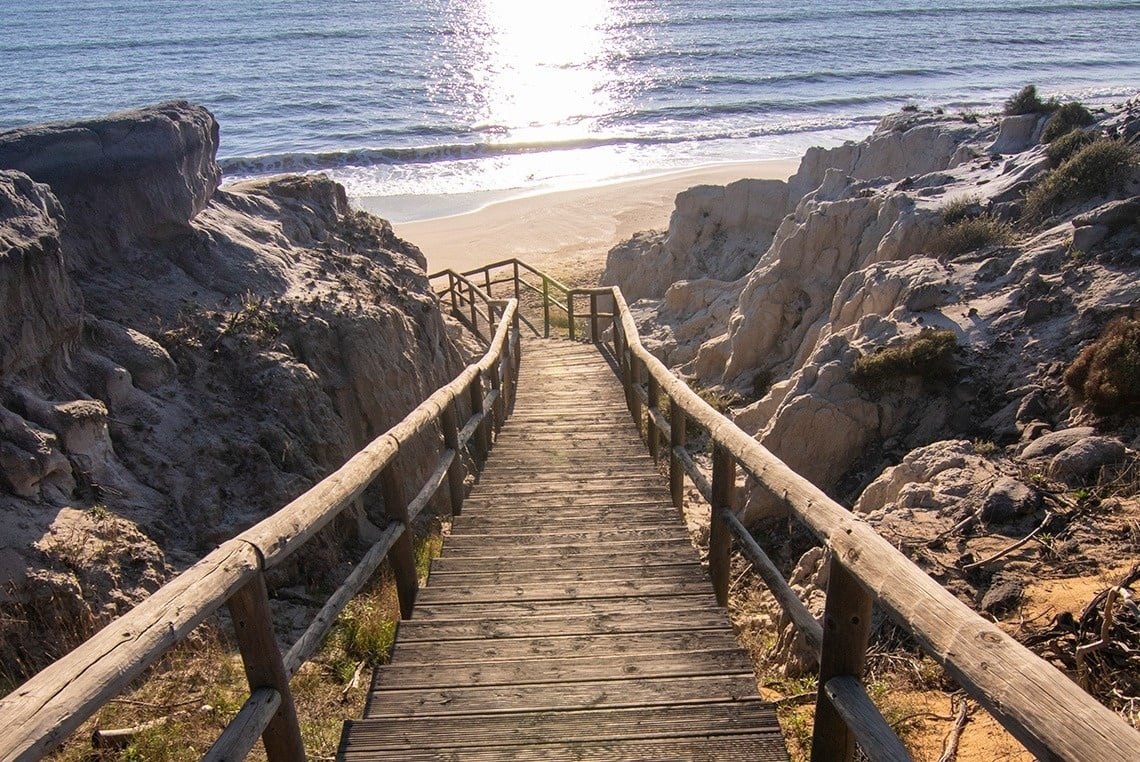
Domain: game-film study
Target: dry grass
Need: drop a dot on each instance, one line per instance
(1096, 169)
(928, 354)
(970, 234)
(1106, 374)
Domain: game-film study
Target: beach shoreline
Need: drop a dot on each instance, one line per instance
(566, 232)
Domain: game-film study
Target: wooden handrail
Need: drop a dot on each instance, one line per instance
(1048, 713)
(38, 715)
(485, 291)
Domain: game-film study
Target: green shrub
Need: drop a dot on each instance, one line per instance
(971, 234)
(1106, 374)
(1027, 101)
(1095, 170)
(928, 354)
(1065, 146)
(1066, 119)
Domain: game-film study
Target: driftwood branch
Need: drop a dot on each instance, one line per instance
(1013, 546)
(950, 748)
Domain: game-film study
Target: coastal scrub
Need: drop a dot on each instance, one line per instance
(1106, 374)
(928, 354)
(1097, 169)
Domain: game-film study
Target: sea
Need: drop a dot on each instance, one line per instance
(471, 100)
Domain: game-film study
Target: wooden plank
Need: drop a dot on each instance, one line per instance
(552, 591)
(413, 630)
(728, 661)
(601, 557)
(601, 576)
(667, 691)
(758, 746)
(582, 608)
(492, 650)
(530, 728)
(875, 737)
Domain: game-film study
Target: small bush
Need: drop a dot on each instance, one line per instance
(1066, 119)
(971, 234)
(960, 209)
(928, 354)
(1065, 146)
(1095, 170)
(1027, 101)
(1106, 374)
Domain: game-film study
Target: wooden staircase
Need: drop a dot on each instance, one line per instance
(568, 616)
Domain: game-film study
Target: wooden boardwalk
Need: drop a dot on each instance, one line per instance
(568, 616)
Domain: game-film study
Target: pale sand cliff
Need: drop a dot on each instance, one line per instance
(566, 232)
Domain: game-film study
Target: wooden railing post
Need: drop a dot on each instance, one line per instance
(594, 336)
(720, 536)
(518, 283)
(487, 281)
(634, 381)
(498, 407)
(402, 556)
(449, 423)
(264, 667)
(846, 627)
(452, 287)
(653, 435)
(677, 424)
(480, 442)
(474, 309)
(570, 314)
(546, 306)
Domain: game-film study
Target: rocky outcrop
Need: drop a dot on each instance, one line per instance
(857, 266)
(40, 310)
(128, 176)
(178, 360)
(714, 230)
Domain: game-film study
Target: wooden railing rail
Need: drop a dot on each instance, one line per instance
(41, 713)
(518, 275)
(1041, 707)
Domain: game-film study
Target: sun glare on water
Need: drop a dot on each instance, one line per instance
(544, 78)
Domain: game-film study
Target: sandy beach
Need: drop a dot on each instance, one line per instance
(566, 232)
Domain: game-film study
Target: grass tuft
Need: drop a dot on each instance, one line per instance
(1027, 101)
(928, 354)
(1065, 119)
(1065, 146)
(1106, 374)
(970, 234)
(1097, 169)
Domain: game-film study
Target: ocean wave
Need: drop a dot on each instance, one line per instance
(301, 161)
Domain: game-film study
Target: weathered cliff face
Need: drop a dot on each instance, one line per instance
(177, 361)
(854, 267)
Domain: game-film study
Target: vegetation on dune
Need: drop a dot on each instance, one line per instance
(1065, 146)
(1027, 101)
(928, 354)
(1096, 169)
(1106, 374)
(1065, 119)
(971, 234)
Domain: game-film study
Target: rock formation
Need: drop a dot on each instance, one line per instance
(177, 360)
(857, 264)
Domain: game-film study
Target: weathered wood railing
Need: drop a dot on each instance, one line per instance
(464, 290)
(41, 713)
(1034, 701)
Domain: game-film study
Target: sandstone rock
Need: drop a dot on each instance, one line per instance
(1051, 444)
(1084, 238)
(133, 175)
(1112, 215)
(1085, 458)
(1017, 133)
(40, 310)
(714, 230)
(889, 152)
